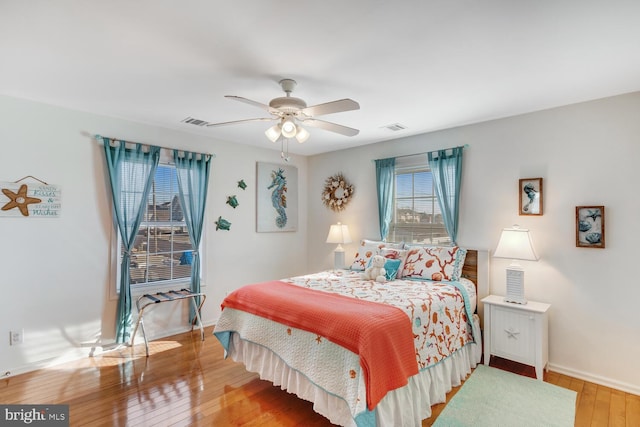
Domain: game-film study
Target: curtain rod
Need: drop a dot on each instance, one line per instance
(213, 156)
(426, 152)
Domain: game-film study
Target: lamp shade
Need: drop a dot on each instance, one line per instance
(273, 133)
(339, 233)
(301, 134)
(515, 243)
(288, 128)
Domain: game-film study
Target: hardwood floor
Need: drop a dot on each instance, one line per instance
(186, 382)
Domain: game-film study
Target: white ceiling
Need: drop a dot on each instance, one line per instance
(425, 64)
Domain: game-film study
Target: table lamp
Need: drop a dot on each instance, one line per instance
(339, 233)
(515, 244)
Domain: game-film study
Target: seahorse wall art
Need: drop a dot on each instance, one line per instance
(278, 196)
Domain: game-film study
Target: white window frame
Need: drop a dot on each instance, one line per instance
(413, 165)
(148, 287)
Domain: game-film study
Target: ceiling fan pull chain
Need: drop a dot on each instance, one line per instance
(284, 141)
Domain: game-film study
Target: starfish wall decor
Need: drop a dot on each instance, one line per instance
(19, 200)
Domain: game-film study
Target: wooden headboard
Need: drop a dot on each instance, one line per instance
(476, 269)
(470, 267)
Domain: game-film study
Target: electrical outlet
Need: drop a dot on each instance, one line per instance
(16, 337)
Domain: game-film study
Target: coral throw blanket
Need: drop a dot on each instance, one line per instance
(380, 334)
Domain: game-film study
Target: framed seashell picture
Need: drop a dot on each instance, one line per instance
(590, 227)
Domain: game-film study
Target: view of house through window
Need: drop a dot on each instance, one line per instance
(162, 251)
(417, 217)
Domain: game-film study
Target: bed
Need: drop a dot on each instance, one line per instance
(366, 353)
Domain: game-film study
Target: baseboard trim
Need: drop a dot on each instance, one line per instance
(585, 376)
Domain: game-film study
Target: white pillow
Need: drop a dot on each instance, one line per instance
(369, 248)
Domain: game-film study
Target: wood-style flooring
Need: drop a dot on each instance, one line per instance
(187, 382)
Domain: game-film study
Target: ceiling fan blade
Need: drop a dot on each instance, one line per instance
(260, 119)
(254, 103)
(333, 127)
(331, 107)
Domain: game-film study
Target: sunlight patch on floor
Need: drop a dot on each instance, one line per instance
(121, 354)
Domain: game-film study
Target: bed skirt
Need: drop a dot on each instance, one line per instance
(406, 406)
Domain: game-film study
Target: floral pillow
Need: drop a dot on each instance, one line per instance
(434, 263)
(369, 248)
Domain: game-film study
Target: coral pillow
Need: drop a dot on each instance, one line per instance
(434, 263)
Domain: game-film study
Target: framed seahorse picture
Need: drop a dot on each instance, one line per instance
(277, 197)
(530, 195)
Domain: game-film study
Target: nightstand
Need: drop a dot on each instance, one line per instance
(518, 332)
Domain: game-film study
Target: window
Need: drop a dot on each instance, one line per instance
(162, 252)
(416, 215)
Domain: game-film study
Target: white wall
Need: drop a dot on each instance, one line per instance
(56, 273)
(56, 276)
(588, 155)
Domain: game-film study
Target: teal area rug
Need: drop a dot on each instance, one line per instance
(494, 398)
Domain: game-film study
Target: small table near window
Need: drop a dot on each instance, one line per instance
(150, 299)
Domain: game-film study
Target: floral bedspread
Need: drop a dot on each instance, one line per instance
(440, 321)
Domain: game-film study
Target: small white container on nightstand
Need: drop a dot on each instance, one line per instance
(518, 332)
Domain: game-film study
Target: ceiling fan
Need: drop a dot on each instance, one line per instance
(290, 112)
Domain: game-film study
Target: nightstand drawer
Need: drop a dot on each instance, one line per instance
(513, 335)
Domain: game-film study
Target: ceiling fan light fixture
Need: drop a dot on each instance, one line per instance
(301, 134)
(287, 111)
(288, 128)
(273, 133)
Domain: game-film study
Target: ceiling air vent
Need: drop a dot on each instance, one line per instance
(395, 127)
(195, 122)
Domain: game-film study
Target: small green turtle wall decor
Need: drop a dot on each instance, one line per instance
(232, 201)
(222, 224)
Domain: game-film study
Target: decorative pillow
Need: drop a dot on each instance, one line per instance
(366, 250)
(399, 254)
(394, 245)
(369, 248)
(391, 267)
(437, 263)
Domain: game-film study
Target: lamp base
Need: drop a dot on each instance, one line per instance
(515, 285)
(338, 260)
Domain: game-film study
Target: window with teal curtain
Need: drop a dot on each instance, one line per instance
(162, 254)
(417, 217)
(384, 185)
(446, 166)
(193, 183)
(131, 169)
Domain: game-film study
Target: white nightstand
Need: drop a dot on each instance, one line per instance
(518, 332)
